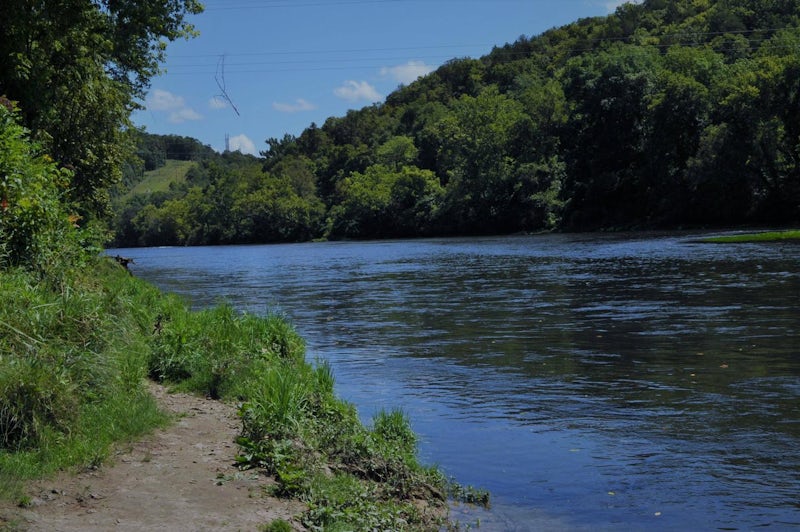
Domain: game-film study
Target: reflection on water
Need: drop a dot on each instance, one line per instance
(590, 382)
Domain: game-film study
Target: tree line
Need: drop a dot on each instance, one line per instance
(668, 113)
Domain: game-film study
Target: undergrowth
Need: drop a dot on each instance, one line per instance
(72, 368)
(74, 357)
(294, 428)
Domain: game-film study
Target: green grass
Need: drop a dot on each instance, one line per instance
(159, 180)
(294, 428)
(766, 236)
(75, 353)
(72, 368)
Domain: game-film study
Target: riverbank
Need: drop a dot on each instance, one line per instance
(761, 236)
(75, 357)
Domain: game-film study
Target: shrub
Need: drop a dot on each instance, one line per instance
(33, 220)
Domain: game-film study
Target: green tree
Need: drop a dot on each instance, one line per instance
(386, 201)
(607, 132)
(77, 69)
(397, 151)
(415, 197)
(483, 188)
(678, 113)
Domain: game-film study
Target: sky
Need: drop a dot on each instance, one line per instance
(265, 68)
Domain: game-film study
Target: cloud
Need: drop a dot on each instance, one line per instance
(217, 103)
(243, 144)
(183, 115)
(161, 100)
(353, 91)
(296, 107)
(407, 73)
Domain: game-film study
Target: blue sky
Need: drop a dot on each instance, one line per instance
(287, 63)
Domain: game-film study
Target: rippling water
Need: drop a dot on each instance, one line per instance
(637, 382)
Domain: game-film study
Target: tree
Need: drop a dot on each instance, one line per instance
(477, 137)
(608, 131)
(77, 69)
(397, 151)
(678, 113)
(386, 201)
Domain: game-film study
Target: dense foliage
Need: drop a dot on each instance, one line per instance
(666, 113)
(76, 69)
(72, 342)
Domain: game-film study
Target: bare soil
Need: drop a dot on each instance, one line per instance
(179, 478)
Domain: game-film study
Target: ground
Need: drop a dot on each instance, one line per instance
(179, 478)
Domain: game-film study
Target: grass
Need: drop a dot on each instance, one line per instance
(294, 428)
(74, 356)
(766, 236)
(159, 180)
(71, 371)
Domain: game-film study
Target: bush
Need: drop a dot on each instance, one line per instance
(33, 220)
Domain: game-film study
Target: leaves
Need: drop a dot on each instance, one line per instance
(76, 69)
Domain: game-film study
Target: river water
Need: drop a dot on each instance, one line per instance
(590, 382)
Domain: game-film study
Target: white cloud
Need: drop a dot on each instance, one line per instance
(353, 91)
(407, 73)
(217, 103)
(161, 100)
(298, 105)
(243, 144)
(182, 115)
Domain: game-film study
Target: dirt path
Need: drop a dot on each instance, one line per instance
(180, 478)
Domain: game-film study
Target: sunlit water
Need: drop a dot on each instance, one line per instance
(625, 382)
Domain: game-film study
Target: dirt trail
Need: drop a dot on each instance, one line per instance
(179, 478)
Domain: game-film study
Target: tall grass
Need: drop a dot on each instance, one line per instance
(74, 356)
(72, 362)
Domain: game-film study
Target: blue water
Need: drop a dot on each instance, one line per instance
(590, 382)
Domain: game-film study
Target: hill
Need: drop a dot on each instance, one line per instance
(160, 180)
(664, 114)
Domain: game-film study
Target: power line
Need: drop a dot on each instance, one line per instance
(474, 45)
(305, 66)
(340, 51)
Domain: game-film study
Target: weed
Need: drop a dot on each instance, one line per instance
(469, 495)
(765, 236)
(71, 365)
(279, 525)
(25, 501)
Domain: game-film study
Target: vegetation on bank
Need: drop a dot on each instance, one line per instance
(79, 336)
(666, 113)
(74, 357)
(765, 236)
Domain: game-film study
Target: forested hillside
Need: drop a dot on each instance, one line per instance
(668, 113)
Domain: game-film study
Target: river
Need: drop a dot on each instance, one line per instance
(588, 381)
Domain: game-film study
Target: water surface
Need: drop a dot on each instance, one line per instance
(637, 382)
